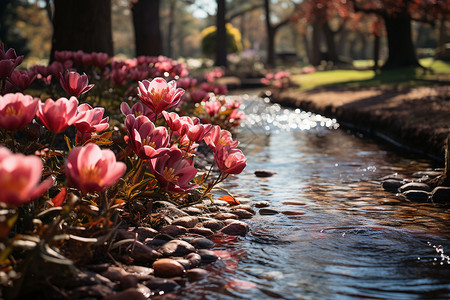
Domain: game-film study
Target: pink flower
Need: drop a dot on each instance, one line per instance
(146, 140)
(199, 96)
(75, 84)
(8, 61)
(173, 172)
(22, 79)
(91, 169)
(229, 160)
(186, 83)
(63, 56)
(158, 94)
(58, 115)
(212, 107)
(19, 178)
(197, 132)
(99, 59)
(218, 137)
(137, 110)
(91, 119)
(17, 110)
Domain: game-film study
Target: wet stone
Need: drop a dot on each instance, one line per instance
(162, 285)
(196, 274)
(261, 204)
(87, 278)
(122, 234)
(142, 273)
(213, 224)
(173, 230)
(128, 294)
(176, 248)
(143, 254)
(201, 231)
(145, 233)
(202, 243)
(186, 222)
(129, 281)
(236, 228)
(143, 289)
(166, 267)
(267, 211)
(114, 273)
(391, 185)
(193, 211)
(96, 291)
(265, 173)
(207, 256)
(184, 262)
(417, 195)
(418, 186)
(242, 214)
(224, 216)
(441, 194)
(245, 207)
(194, 258)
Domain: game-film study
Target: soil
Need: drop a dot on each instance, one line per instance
(417, 119)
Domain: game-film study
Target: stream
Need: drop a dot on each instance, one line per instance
(338, 234)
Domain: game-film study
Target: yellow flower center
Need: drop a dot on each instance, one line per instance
(158, 96)
(91, 174)
(149, 143)
(168, 175)
(12, 183)
(11, 111)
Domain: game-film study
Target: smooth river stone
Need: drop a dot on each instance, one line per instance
(392, 185)
(128, 294)
(236, 228)
(293, 213)
(265, 173)
(261, 204)
(418, 186)
(441, 194)
(187, 222)
(176, 248)
(196, 274)
(268, 211)
(166, 267)
(417, 195)
(293, 203)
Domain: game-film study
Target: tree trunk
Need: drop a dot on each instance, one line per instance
(315, 51)
(147, 32)
(442, 52)
(329, 40)
(221, 42)
(306, 46)
(270, 37)
(400, 44)
(82, 25)
(172, 7)
(376, 51)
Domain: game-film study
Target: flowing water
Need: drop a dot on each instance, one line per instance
(337, 235)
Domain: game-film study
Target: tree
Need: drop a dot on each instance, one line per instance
(147, 32)
(82, 25)
(397, 16)
(221, 35)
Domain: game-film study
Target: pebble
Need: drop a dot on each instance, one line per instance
(186, 222)
(207, 256)
(141, 272)
(267, 211)
(162, 285)
(202, 243)
(143, 254)
(201, 231)
(166, 267)
(246, 207)
(194, 258)
(441, 194)
(236, 228)
(128, 281)
(96, 291)
(223, 216)
(265, 173)
(128, 294)
(417, 195)
(418, 186)
(193, 211)
(145, 233)
(196, 274)
(176, 248)
(114, 273)
(213, 224)
(391, 185)
(87, 278)
(261, 204)
(173, 230)
(242, 213)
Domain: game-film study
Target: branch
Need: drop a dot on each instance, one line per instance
(244, 11)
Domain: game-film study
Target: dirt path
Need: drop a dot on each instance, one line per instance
(416, 117)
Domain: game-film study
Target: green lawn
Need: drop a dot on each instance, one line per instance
(440, 74)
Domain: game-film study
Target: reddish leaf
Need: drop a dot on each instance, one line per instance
(59, 199)
(230, 200)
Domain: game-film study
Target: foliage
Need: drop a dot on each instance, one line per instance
(234, 43)
(70, 175)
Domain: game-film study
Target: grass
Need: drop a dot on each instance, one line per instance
(408, 77)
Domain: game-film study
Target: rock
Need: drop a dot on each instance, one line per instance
(202, 243)
(129, 294)
(184, 262)
(96, 291)
(145, 233)
(245, 207)
(265, 173)
(418, 186)
(142, 273)
(391, 185)
(123, 234)
(143, 254)
(417, 195)
(129, 281)
(168, 209)
(143, 289)
(162, 285)
(114, 273)
(173, 230)
(242, 214)
(166, 267)
(267, 211)
(207, 256)
(195, 259)
(213, 224)
(441, 194)
(236, 228)
(176, 248)
(202, 231)
(186, 222)
(261, 204)
(224, 216)
(85, 278)
(193, 211)
(196, 274)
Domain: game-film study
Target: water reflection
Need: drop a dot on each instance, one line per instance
(340, 236)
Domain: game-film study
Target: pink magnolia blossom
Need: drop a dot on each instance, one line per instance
(58, 115)
(218, 137)
(91, 119)
(199, 96)
(91, 169)
(17, 110)
(230, 160)
(173, 172)
(197, 132)
(137, 110)
(212, 107)
(158, 94)
(75, 84)
(186, 83)
(8, 61)
(146, 140)
(63, 56)
(22, 79)
(19, 178)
